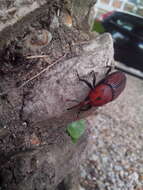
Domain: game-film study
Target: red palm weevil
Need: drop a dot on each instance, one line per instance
(107, 90)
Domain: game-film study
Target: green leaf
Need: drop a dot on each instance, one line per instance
(98, 27)
(76, 129)
(74, 140)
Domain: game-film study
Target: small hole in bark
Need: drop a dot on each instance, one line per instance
(61, 186)
(1, 180)
(58, 81)
(4, 97)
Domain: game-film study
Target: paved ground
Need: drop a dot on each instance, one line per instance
(117, 162)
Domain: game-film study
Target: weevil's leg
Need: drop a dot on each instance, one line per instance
(83, 109)
(86, 108)
(94, 80)
(73, 100)
(85, 81)
(71, 108)
(109, 69)
(77, 115)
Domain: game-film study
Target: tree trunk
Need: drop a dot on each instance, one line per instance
(40, 54)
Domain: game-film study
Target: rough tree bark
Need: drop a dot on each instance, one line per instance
(35, 150)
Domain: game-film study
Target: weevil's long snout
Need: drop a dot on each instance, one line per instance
(80, 105)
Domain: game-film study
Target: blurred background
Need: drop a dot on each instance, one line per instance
(117, 159)
(128, 6)
(123, 19)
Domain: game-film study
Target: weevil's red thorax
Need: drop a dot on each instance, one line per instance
(108, 89)
(101, 95)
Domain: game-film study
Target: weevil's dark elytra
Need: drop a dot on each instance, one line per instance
(117, 82)
(105, 91)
